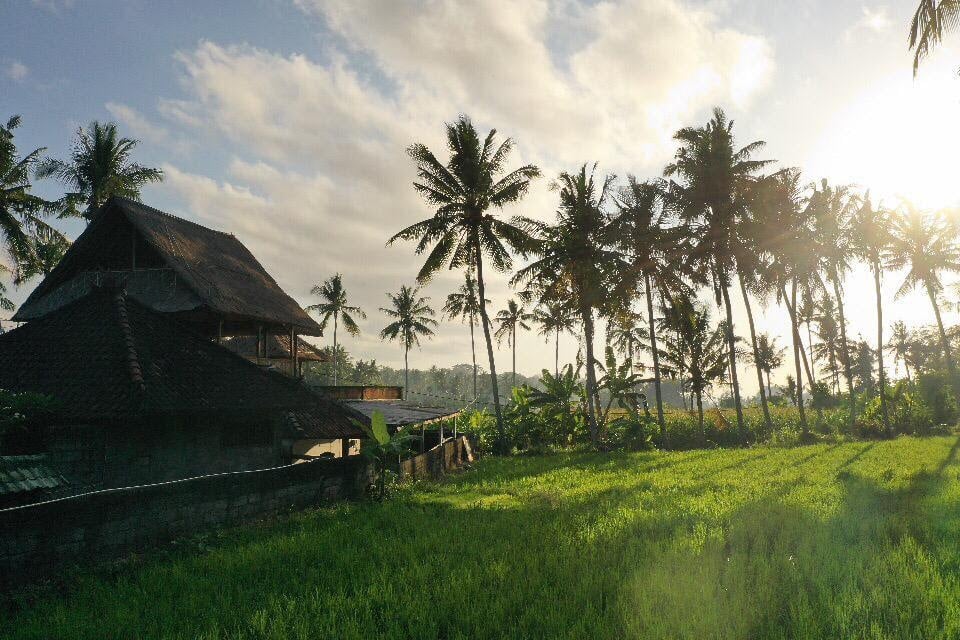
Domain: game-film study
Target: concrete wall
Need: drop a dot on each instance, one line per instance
(40, 540)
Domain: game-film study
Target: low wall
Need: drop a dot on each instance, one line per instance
(433, 463)
(41, 539)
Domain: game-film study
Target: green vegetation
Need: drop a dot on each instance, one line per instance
(830, 541)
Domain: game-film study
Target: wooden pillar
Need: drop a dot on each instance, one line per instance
(344, 447)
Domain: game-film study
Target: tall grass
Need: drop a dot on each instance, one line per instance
(854, 540)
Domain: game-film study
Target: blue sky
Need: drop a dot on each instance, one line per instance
(285, 121)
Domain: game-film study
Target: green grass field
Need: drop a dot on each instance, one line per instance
(857, 540)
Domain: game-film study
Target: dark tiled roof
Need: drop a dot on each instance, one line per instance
(227, 279)
(23, 474)
(109, 356)
(399, 413)
(278, 346)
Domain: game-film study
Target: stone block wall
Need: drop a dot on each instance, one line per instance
(40, 540)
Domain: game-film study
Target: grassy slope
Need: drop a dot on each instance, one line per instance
(852, 540)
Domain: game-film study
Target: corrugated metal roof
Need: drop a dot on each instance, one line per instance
(20, 474)
(398, 413)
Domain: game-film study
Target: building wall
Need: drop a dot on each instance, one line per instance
(41, 540)
(106, 456)
(315, 448)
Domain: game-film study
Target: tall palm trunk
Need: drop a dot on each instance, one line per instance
(473, 352)
(513, 347)
(795, 331)
(656, 361)
(406, 373)
(845, 353)
(586, 315)
(703, 431)
(803, 351)
(335, 316)
(769, 386)
(485, 321)
(883, 376)
(944, 341)
(813, 356)
(556, 355)
(756, 354)
(732, 346)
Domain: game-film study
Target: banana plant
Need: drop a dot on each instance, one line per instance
(382, 448)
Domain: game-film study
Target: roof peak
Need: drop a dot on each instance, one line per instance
(127, 202)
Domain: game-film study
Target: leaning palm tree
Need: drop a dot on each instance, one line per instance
(335, 305)
(832, 208)
(711, 197)
(464, 304)
(509, 319)
(100, 166)
(575, 258)
(870, 240)
(651, 244)
(554, 317)
(899, 345)
(463, 231)
(412, 319)
(930, 20)
(926, 246)
(20, 210)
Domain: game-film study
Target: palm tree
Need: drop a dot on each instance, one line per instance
(554, 317)
(412, 319)
(464, 304)
(335, 306)
(513, 317)
(575, 258)
(925, 245)
(650, 244)
(832, 209)
(626, 334)
(870, 240)
(899, 345)
(462, 231)
(20, 210)
(715, 180)
(768, 356)
(100, 166)
(46, 248)
(930, 20)
(829, 347)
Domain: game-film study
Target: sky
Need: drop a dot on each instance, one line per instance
(285, 122)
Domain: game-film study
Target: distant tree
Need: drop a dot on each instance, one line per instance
(47, 247)
(899, 345)
(21, 211)
(412, 319)
(926, 246)
(100, 166)
(335, 305)
(553, 318)
(462, 232)
(828, 331)
(931, 19)
(711, 196)
(464, 304)
(509, 319)
(769, 356)
(626, 333)
(864, 364)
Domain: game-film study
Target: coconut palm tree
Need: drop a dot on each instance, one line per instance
(464, 304)
(650, 243)
(463, 231)
(46, 248)
(870, 240)
(20, 210)
(100, 166)
(832, 209)
(511, 318)
(575, 257)
(554, 317)
(926, 246)
(711, 196)
(899, 345)
(930, 20)
(828, 331)
(768, 356)
(625, 333)
(335, 305)
(412, 319)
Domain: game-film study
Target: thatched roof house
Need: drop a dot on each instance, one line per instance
(206, 277)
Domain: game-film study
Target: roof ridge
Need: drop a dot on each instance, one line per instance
(133, 361)
(164, 214)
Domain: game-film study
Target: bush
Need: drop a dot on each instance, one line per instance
(935, 390)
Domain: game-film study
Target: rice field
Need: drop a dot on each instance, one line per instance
(853, 540)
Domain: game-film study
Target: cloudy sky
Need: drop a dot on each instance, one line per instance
(285, 122)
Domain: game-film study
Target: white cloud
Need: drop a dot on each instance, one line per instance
(143, 128)
(16, 71)
(875, 21)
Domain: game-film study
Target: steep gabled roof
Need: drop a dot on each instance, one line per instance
(225, 277)
(107, 356)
